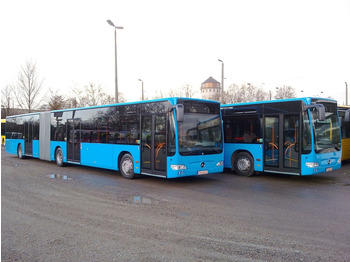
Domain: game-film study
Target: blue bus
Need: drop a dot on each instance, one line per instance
(299, 136)
(170, 138)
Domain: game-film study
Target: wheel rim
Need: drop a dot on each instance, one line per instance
(127, 166)
(243, 164)
(59, 157)
(20, 153)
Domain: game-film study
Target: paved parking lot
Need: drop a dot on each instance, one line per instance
(84, 214)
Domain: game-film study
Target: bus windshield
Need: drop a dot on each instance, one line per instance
(200, 132)
(327, 136)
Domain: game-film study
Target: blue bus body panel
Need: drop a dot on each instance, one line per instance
(327, 162)
(193, 164)
(62, 145)
(12, 144)
(36, 152)
(106, 155)
(256, 150)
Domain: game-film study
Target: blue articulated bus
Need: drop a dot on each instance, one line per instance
(170, 138)
(299, 136)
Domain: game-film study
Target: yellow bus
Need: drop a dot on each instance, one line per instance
(3, 124)
(345, 131)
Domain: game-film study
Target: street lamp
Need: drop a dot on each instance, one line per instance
(346, 93)
(222, 81)
(142, 89)
(115, 51)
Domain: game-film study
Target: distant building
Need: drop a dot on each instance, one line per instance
(210, 89)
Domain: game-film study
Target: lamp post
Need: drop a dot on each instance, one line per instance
(115, 51)
(222, 81)
(346, 93)
(142, 89)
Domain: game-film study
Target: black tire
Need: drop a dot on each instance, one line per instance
(59, 157)
(126, 166)
(20, 151)
(244, 164)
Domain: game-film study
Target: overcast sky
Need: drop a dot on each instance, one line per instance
(168, 44)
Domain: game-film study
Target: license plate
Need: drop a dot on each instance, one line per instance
(202, 172)
(329, 169)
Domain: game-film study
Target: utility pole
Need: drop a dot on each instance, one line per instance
(222, 81)
(346, 92)
(142, 94)
(116, 61)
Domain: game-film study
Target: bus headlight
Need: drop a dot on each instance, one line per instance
(178, 167)
(311, 164)
(339, 161)
(220, 163)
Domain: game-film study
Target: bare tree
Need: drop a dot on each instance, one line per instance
(188, 91)
(6, 99)
(184, 91)
(244, 93)
(55, 101)
(158, 95)
(174, 93)
(28, 87)
(285, 92)
(91, 95)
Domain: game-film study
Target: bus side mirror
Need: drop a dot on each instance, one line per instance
(180, 113)
(321, 111)
(347, 116)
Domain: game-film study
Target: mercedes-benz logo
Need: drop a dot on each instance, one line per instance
(202, 164)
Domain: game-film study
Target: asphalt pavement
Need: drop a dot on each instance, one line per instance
(79, 213)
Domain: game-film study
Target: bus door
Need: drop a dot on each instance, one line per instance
(73, 140)
(282, 143)
(28, 138)
(153, 144)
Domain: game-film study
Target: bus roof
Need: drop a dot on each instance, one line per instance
(172, 100)
(27, 114)
(306, 100)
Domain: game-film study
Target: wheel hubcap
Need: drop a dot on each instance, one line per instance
(243, 164)
(127, 166)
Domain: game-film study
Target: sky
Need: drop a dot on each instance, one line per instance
(169, 44)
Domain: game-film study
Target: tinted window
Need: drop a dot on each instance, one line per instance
(113, 125)
(200, 107)
(58, 125)
(243, 128)
(156, 107)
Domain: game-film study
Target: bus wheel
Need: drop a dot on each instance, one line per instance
(20, 151)
(59, 157)
(126, 166)
(244, 164)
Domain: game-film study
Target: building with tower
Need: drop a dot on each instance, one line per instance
(210, 89)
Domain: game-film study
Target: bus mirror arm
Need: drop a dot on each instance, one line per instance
(321, 111)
